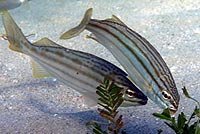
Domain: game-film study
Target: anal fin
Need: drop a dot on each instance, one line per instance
(38, 71)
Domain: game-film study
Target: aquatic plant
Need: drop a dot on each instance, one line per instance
(110, 99)
(182, 125)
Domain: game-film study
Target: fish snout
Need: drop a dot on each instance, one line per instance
(173, 109)
(142, 97)
(143, 102)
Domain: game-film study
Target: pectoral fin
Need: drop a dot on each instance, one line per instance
(38, 71)
(92, 36)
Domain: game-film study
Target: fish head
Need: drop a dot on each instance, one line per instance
(132, 96)
(166, 99)
(171, 100)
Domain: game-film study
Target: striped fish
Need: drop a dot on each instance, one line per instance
(144, 65)
(81, 71)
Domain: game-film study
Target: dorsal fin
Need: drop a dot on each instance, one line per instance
(114, 18)
(46, 42)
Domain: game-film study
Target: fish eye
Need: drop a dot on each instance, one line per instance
(130, 93)
(166, 95)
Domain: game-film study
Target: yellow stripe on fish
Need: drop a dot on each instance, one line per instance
(144, 65)
(79, 70)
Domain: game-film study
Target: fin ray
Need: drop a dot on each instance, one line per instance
(46, 42)
(38, 71)
(114, 18)
(14, 34)
(78, 29)
(92, 36)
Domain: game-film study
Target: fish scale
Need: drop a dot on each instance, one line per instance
(143, 63)
(149, 72)
(79, 70)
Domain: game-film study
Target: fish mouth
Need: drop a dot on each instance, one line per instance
(172, 110)
(141, 97)
(143, 102)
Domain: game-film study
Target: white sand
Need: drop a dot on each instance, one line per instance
(29, 105)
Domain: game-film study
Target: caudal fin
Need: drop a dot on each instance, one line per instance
(78, 29)
(13, 33)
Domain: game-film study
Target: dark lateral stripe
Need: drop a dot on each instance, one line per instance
(62, 79)
(141, 50)
(105, 30)
(167, 78)
(64, 72)
(103, 35)
(50, 58)
(129, 59)
(94, 60)
(131, 40)
(120, 51)
(69, 82)
(98, 63)
(155, 56)
(127, 47)
(96, 69)
(48, 51)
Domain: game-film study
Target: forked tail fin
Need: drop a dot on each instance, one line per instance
(78, 29)
(13, 33)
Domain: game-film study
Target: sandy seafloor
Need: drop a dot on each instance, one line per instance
(43, 106)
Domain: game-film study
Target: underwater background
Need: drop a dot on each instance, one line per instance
(29, 105)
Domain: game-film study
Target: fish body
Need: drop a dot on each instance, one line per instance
(79, 70)
(11, 4)
(144, 65)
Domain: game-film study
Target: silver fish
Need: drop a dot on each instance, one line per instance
(79, 70)
(11, 4)
(144, 65)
